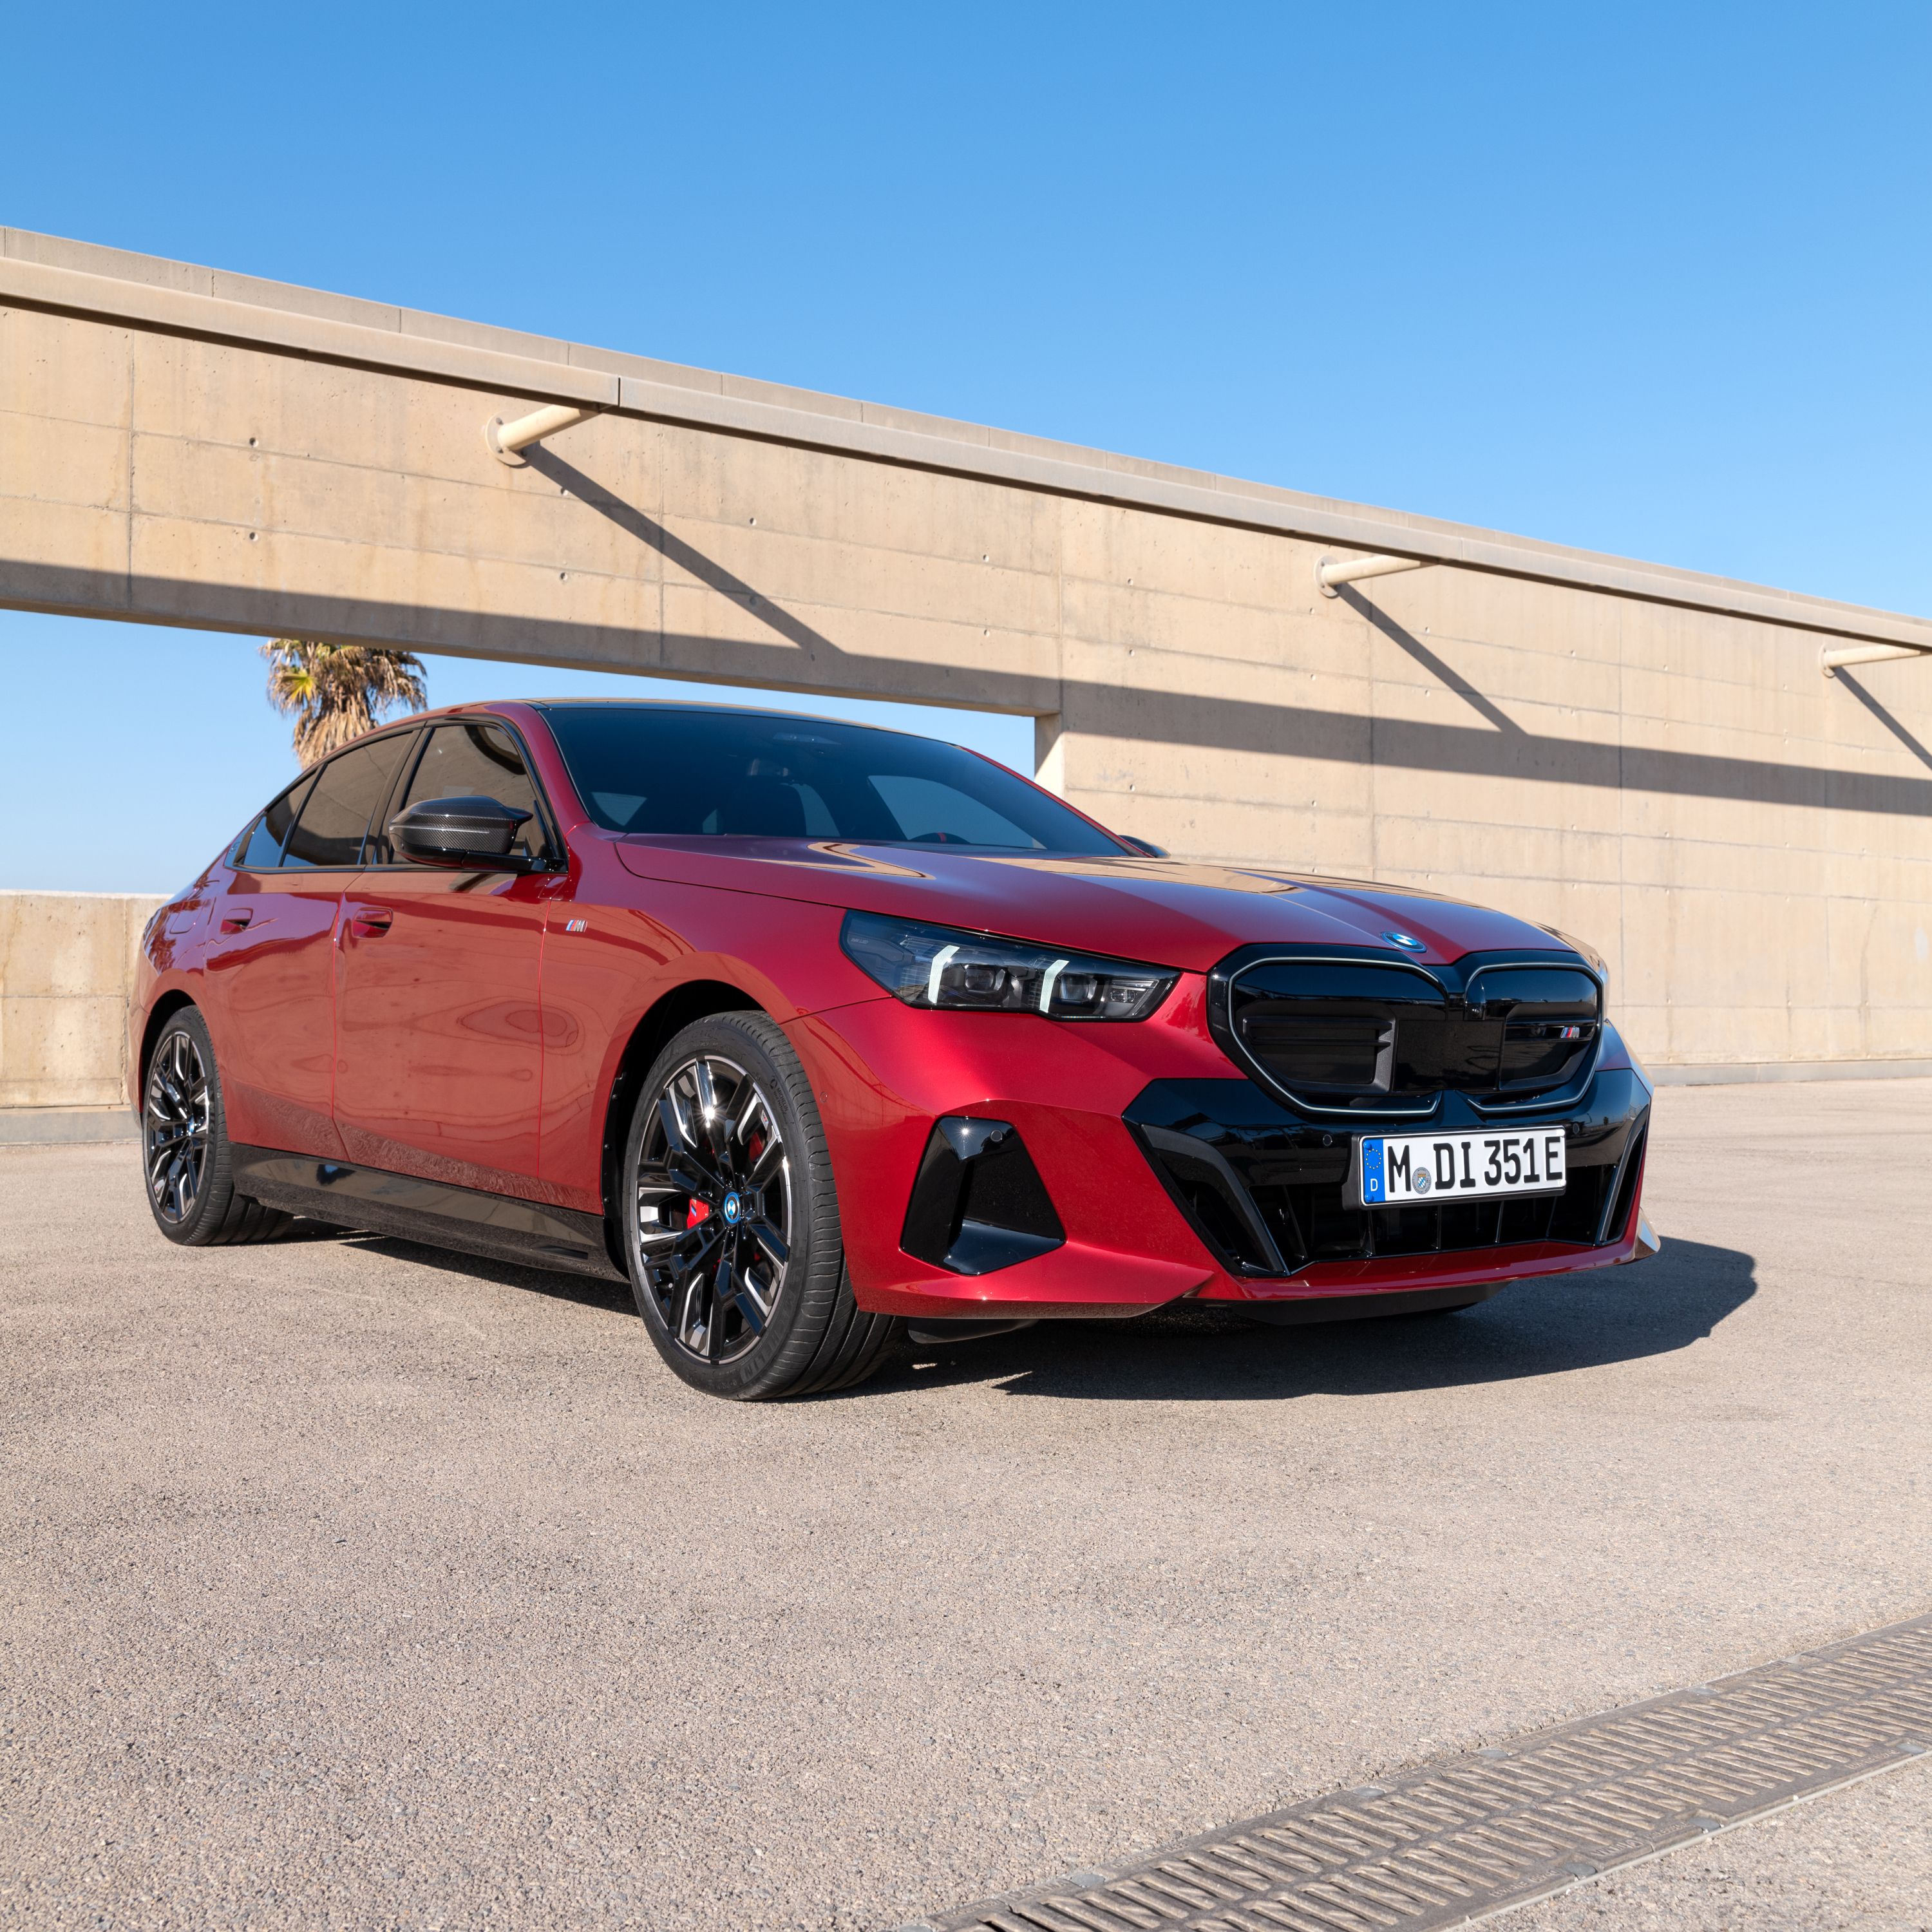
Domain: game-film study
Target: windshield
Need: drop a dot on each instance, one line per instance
(652, 769)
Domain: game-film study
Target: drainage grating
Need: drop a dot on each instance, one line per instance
(1463, 1837)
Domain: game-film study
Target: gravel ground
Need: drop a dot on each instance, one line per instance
(343, 1583)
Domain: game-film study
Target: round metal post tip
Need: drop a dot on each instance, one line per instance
(492, 441)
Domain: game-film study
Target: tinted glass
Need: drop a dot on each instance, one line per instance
(348, 789)
(656, 770)
(479, 761)
(262, 850)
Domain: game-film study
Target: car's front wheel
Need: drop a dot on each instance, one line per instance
(730, 1218)
(184, 1152)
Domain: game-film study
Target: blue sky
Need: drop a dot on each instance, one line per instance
(1647, 279)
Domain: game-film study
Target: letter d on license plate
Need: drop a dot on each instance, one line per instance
(1402, 1169)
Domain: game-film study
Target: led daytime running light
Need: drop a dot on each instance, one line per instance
(941, 967)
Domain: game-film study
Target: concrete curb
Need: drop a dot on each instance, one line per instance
(1751, 1073)
(66, 1127)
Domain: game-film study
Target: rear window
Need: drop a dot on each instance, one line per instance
(664, 772)
(260, 849)
(335, 819)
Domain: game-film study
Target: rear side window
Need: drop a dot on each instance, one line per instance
(260, 848)
(335, 820)
(479, 760)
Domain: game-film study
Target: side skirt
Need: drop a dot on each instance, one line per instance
(495, 1226)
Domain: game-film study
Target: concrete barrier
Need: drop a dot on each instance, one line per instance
(1647, 756)
(67, 964)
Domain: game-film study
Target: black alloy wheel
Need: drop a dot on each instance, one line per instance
(184, 1152)
(714, 1208)
(175, 1126)
(731, 1220)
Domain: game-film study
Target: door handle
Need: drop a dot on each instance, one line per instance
(236, 921)
(369, 922)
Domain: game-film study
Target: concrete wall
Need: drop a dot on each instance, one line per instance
(67, 965)
(1646, 757)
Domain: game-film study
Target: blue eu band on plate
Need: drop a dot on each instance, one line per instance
(1398, 1171)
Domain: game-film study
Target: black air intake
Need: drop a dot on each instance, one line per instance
(979, 1203)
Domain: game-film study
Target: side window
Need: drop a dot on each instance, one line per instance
(261, 850)
(335, 819)
(479, 760)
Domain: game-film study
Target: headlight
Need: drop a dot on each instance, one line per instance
(939, 966)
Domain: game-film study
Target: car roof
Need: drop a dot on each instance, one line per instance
(733, 710)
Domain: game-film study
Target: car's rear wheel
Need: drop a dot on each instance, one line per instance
(731, 1230)
(184, 1150)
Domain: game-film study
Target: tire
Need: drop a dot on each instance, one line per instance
(726, 1178)
(185, 1159)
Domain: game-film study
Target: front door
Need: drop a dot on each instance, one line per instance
(440, 1030)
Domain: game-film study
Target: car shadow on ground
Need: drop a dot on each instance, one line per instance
(586, 1291)
(1195, 1353)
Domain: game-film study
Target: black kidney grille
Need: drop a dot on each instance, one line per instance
(1322, 1050)
(1357, 1035)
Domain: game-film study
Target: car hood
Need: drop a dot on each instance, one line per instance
(1168, 912)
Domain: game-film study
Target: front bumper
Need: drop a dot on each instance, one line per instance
(1266, 1189)
(1155, 1153)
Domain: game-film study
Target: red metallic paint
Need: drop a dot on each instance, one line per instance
(1169, 912)
(439, 1024)
(480, 1039)
(267, 989)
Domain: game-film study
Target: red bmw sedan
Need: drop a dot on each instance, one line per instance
(814, 1032)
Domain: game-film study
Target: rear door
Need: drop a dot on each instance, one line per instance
(440, 1037)
(270, 968)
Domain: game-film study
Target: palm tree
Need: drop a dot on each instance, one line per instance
(338, 691)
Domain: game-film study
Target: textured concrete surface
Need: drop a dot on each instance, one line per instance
(50, 1127)
(1648, 758)
(67, 964)
(348, 1584)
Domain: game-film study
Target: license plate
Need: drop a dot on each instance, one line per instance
(1400, 1170)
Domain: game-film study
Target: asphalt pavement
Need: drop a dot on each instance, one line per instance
(346, 1584)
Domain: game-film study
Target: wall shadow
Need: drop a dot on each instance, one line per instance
(1884, 717)
(1195, 1354)
(1444, 673)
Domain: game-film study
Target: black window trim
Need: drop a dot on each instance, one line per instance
(308, 777)
(301, 783)
(555, 854)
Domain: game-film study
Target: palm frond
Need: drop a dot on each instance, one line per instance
(336, 692)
